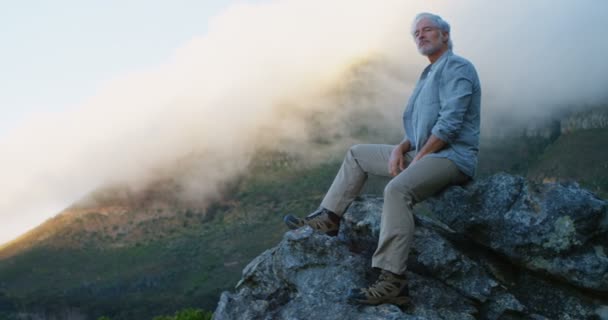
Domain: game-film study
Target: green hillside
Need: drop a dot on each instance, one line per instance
(187, 269)
(515, 155)
(580, 156)
(186, 258)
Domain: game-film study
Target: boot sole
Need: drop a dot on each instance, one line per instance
(294, 223)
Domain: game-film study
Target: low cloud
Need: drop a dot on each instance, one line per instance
(282, 73)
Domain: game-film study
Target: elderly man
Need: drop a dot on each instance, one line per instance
(440, 148)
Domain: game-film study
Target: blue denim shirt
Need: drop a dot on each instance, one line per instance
(446, 102)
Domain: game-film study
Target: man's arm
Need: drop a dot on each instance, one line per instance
(455, 91)
(433, 144)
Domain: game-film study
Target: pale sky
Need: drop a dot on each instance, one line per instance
(55, 54)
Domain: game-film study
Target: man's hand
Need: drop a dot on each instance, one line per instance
(432, 145)
(396, 163)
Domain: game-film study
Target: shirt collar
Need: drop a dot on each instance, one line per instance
(440, 60)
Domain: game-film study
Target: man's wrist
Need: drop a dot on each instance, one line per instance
(405, 146)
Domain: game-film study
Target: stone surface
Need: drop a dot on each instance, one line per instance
(559, 229)
(490, 250)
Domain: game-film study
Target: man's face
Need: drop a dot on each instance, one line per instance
(429, 39)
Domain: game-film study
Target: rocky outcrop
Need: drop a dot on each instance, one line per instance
(558, 229)
(500, 248)
(594, 118)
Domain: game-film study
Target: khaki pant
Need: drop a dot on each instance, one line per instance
(416, 183)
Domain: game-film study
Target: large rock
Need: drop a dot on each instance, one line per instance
(458, 269)
(559, 229)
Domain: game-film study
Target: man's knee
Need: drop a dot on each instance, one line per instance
(352, 154)
(394, 190)
(354, 150)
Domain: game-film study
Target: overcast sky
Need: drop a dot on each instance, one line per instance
(56, 54)
(93, 92)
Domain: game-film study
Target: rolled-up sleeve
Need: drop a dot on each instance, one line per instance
(455, 96)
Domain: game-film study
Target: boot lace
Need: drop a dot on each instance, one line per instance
(384, 286)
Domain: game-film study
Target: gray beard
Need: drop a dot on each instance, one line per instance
(428, 51)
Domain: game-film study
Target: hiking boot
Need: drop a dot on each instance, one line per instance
(389, 288)
(321, 220)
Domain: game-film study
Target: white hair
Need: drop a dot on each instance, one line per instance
(441, 24)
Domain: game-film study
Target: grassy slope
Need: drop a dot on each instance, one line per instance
(514, 155)
(580, 156)
(189, 269)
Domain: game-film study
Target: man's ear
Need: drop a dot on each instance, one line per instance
(445, 37)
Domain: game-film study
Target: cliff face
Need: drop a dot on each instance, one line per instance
(500, 248)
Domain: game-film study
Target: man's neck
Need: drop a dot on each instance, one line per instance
(433, 57)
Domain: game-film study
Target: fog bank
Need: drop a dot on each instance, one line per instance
(282, 73)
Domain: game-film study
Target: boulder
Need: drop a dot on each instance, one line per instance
(489, 250)
(558, 229)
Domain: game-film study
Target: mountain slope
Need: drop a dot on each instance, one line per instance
(579, 156)
(135, 255)
(184, 259)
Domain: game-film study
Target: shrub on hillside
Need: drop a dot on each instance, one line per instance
(188, 314)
